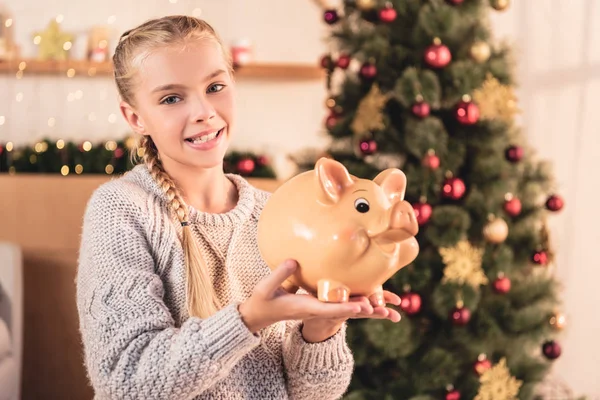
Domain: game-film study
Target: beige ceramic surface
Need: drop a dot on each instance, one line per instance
(349, 235)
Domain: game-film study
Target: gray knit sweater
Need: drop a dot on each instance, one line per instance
(139, 342)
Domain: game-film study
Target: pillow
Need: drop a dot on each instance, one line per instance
(5, 342)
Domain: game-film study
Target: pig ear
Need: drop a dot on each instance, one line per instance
(393, 182)
(332, 177)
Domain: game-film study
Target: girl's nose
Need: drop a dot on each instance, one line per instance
(203, 111)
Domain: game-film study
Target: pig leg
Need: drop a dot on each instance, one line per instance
(332, 291)
(376, 298)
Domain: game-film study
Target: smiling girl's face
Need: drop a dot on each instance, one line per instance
(184, 100)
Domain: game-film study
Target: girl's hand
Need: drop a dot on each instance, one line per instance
(320, 329)
(269, 303)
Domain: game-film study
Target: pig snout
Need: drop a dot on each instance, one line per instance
(400, 222)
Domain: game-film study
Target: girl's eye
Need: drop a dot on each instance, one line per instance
(217, 87)
(170, 100)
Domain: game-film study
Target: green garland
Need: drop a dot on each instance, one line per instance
(107, 157)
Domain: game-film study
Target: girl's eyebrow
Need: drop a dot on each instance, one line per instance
(171, 86)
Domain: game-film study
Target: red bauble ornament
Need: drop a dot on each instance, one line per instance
(387, 14)
(460, 316)
(368, 146)
(410, 303)
(453, 395)
(262, 161)
(540, 257)
(514, 154)
(327, 61)
(343, 61)
(331, 121)
(331, 17)
(245, 166)
(368, 71)
(467, 112)
(421, 109)
(555, 203)
(512, 206)
(551, 350)
(502, 285)
(431, 161)
(423, 212)
(1, 149)
(481, 365)
(437, 55)
(119, 152)
(456, 2)
(453, 188)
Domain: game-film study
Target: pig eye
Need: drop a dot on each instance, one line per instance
(361, 205)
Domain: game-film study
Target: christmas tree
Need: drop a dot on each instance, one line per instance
(421, 85)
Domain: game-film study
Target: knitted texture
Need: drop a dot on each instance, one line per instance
(138, 340)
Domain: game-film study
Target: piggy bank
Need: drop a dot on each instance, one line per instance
(348, 235)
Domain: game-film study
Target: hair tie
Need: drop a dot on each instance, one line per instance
(185, 223)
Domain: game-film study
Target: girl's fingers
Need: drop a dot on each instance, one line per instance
(391, 298)
(273, 282)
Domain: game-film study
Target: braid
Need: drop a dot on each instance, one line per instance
(201, 297)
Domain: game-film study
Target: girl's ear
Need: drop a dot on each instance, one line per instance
(132, 117)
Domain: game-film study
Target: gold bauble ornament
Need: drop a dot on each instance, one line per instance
(558, 321)
(496, 230)
(365, 5)
(500, 5)
(480, 51)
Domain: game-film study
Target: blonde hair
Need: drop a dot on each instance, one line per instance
(133, 47)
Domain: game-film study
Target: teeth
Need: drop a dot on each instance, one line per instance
(205, 138)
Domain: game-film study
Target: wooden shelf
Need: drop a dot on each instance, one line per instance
(79, 68)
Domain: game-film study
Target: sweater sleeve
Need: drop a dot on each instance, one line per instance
(131, 345)
(317, 370)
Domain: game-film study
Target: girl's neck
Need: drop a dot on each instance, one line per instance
(206, 190)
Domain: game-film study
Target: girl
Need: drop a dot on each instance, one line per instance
(173, 297)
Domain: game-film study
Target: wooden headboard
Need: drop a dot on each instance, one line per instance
(43, 215)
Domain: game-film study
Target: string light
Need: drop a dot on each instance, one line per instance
(87, 145)
(67, 46)
(109, 169)
(78, 169)
(64, 170)
(8, 23)
(51, 121)
(60, 144)
(9, 146)
(112, 118)
(33, 159)
(78, 94)
(19, 74)
(60, 18)
(111, 145)
(2, 119)
(71, 72)
(37, 39)
(22, 65)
